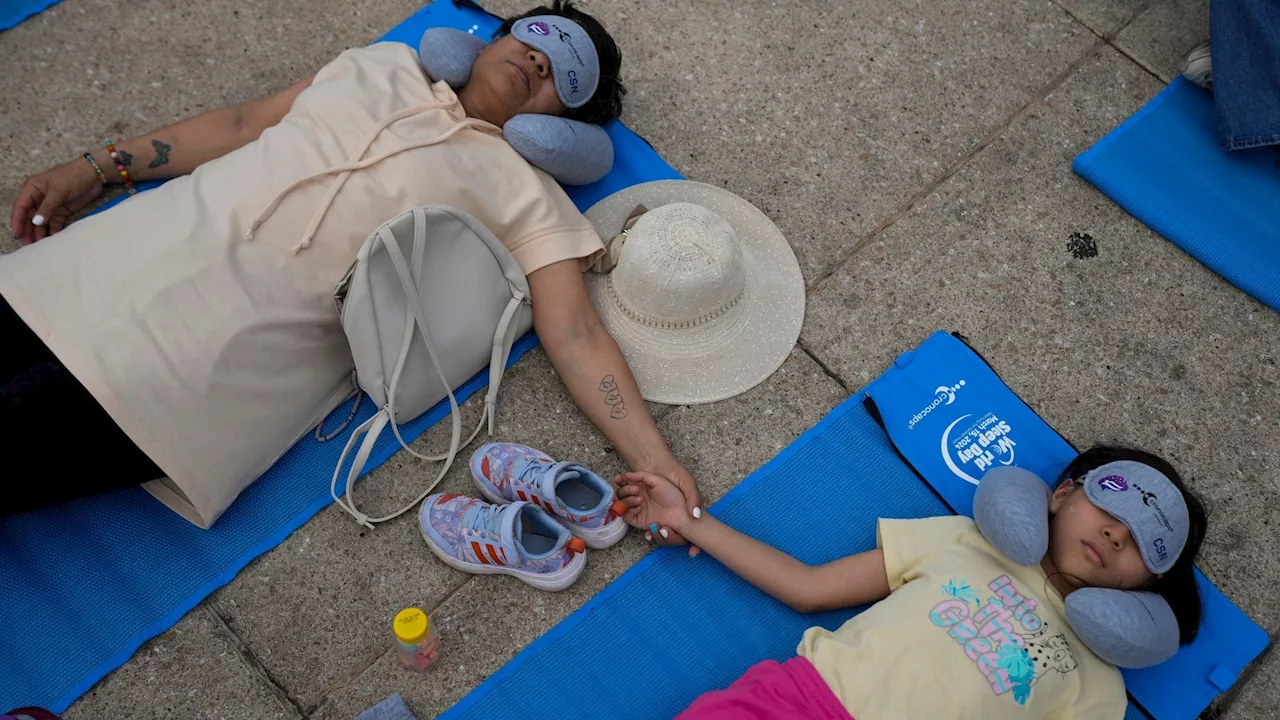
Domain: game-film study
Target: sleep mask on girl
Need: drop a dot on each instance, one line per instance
(1148, 504)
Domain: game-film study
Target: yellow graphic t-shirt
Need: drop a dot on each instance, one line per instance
(965, 633)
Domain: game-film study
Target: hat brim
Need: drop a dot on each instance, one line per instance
(732, 353)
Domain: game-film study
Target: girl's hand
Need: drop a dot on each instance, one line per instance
(53, 196)
(653, 500)
(680, 477)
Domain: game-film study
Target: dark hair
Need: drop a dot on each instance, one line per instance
(1178, 586)
(606, 103)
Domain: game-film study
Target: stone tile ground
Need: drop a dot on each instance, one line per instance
(917, 155)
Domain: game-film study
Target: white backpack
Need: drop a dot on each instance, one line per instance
(432, 298)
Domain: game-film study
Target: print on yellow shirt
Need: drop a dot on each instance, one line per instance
(964, 634)
(1003, 636)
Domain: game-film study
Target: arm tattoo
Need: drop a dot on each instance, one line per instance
(162, 154)
(613, 398)
(126, 159)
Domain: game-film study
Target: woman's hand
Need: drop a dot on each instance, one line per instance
(685, 482)
(653, 500)
(55, 195)
(46, 201)
(675, 472)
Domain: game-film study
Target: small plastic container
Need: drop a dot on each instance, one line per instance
(416, 641)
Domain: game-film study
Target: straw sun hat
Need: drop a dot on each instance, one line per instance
(701, 292)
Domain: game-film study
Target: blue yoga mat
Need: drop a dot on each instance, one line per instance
(84, 584)
(679, 627)
(1165, 167)
(13, 12)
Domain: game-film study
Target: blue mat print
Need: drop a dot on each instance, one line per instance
(1165, 167)
(106, 574)
(680, 627)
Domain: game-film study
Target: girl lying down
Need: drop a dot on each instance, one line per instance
(958, 629)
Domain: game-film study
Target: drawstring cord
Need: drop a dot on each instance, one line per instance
(353, 165)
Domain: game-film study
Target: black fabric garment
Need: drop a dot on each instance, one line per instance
(41, 463)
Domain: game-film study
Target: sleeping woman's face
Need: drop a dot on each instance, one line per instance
(510, 78)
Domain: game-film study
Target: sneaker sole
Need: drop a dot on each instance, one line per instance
(1197, 67)
(595, 538)
(553, 582)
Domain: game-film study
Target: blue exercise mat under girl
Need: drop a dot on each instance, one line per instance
(80, 592)
(683, 626)
(1164, 165)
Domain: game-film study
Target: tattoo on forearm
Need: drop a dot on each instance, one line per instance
(613, 398)
(126, 159)
(162, 154)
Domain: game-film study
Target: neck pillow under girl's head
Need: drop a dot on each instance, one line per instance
(1127, 628)
(573, 152)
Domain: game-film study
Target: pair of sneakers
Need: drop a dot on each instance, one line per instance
(540, 518)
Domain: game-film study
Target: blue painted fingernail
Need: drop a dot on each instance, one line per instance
(653, 527)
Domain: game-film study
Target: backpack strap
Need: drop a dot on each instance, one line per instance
(503, 338)
(373, 427)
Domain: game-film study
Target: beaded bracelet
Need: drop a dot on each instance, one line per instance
(96, 169)
(128, 182)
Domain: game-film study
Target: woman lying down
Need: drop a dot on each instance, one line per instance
(189, 334)
(959, 627)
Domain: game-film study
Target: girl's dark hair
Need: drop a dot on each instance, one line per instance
(606, 103)
(1178, 586)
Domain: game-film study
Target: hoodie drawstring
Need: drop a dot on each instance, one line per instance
(354, 164)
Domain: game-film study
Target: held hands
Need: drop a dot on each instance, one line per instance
(654, 500)
(52, 197)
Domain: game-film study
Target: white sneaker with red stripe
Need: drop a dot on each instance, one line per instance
(582, 500)
(518, 539)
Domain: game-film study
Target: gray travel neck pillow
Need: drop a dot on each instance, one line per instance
(1127, 628)
(572, 152)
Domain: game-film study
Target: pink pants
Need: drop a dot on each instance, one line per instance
(771, 691)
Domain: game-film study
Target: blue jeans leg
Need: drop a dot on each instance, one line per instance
(1245, 40)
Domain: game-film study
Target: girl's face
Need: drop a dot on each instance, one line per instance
(1090, 546)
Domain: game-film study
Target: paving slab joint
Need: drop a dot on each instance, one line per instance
(848, 388)
(250, 659)
(958, 165)
(1108, 36)
(373, 654)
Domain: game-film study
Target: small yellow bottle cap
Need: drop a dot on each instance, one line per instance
(411, 626)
